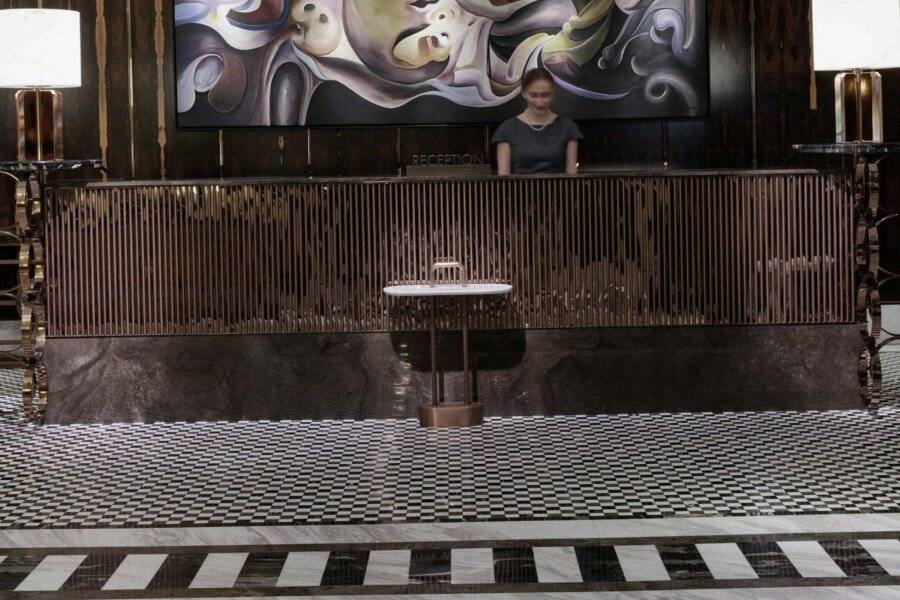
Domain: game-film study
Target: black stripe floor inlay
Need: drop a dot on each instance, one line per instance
(514, 565)
(683, 562)
(415, 568)
(261, 569)
(346, 567)
(599, 563)
(768, 560)
(14, 570)
(177, 571)
(852, 558)
(430, 566)
(93, 572)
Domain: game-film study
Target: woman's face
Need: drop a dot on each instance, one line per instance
(539, 95)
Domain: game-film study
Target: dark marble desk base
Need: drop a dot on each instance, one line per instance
(381, 375)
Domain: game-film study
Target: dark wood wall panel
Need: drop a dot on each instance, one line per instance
(150, 147)
(783, 54)
(729, 132)
(80, 132)
(355, 151)
(116, 123)
(264, 153)
(622, 143)
(685, 146)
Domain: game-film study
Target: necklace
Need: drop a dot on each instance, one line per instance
(534, 127)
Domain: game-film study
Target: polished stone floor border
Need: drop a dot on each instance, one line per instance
(773, 557)
(813, 590)
(785, 593)
(411, 533)
(521, 569)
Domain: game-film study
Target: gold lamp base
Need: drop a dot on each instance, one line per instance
(451, 414)
(857, 107)
(39, 130)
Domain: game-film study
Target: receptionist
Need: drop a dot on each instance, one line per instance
(538, 140)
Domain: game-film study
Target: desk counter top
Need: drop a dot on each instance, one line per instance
(587, 175)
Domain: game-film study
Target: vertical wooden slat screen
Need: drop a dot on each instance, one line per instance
(313, 255)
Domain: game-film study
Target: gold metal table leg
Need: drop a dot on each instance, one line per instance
(452, 414)
(433, 326)
(467, 389)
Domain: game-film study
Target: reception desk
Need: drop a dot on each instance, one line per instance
(262, 298)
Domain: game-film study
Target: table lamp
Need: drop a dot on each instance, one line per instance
(39, 49)
(856, 37)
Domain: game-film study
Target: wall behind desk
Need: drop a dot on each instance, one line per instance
(764, 97)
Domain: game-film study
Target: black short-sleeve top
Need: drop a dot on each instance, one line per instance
(541, 151)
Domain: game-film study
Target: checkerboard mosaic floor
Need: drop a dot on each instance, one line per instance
(294, 472)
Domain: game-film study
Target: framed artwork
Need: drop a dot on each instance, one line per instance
(283, 63)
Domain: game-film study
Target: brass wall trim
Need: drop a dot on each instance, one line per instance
(754, 100)
(159, 41)
(128, 26)
(102, 109)
(591, 251)
(221, 137)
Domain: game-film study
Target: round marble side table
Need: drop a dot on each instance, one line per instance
(450, 414)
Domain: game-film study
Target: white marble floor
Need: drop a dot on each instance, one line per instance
(448, 532)
(790, 593)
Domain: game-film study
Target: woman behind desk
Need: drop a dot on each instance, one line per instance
(537, 141)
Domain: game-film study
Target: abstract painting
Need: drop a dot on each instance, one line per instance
(289, 63)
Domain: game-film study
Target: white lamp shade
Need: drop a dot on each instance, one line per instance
(856, 34)
(40, 48)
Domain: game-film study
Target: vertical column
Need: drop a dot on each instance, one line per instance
(9, 296)
(867, 193)
(32, 294)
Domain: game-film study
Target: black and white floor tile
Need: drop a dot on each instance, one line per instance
(890, 365)
(572, 467)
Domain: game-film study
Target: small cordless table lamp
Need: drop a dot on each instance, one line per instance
(39, 49)
(857, 37)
